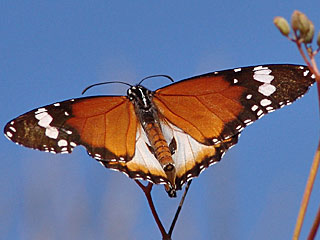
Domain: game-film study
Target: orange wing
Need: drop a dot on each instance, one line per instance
(206, 113)
(200, 106)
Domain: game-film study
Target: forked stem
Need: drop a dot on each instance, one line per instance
(147, 192)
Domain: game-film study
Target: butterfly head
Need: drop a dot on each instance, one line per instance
(140, 96)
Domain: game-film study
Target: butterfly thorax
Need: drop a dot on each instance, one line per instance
(148, 116)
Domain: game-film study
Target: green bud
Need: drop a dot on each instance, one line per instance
(304, 24)
(295, 20)
(282, 25)
(300, 22)
(308, 37)
(318, 39)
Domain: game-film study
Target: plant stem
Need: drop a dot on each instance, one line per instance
(315, 226)
(307, 193)
(179, 208)
(147, 191)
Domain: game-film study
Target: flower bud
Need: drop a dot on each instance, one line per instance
(295, 20)
(282, 25)
(308, 37)
(300, 22)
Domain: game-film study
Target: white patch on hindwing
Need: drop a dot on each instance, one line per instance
(143, 160)
(188, 149)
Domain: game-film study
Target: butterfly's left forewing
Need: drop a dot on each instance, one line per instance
(105, 125)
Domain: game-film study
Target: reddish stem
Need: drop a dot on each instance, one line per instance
(147, 191)
(315, 227)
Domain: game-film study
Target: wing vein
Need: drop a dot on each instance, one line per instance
(180, 116)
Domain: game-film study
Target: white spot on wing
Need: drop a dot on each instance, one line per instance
(259, 68)
(238, 127)
(249, 96)
(270, 109)
(237, 69)
(45, 119)
(52, 132)
(12, 129)
(40, 110)
(267, 89)
(265, 102)
(9, 134)
(260, 113)
(263, 77)
(254, 108)
(62, 143)
(64, 150)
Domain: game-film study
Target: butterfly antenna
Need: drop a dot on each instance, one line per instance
(102, 83)
(159, 75)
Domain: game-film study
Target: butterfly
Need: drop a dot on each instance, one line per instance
(167, 136)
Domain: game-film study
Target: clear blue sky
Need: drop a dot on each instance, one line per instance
(51, 50)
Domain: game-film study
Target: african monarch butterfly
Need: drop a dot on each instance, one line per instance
(167, 136)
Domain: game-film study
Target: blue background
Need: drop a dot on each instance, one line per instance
(51, 50)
